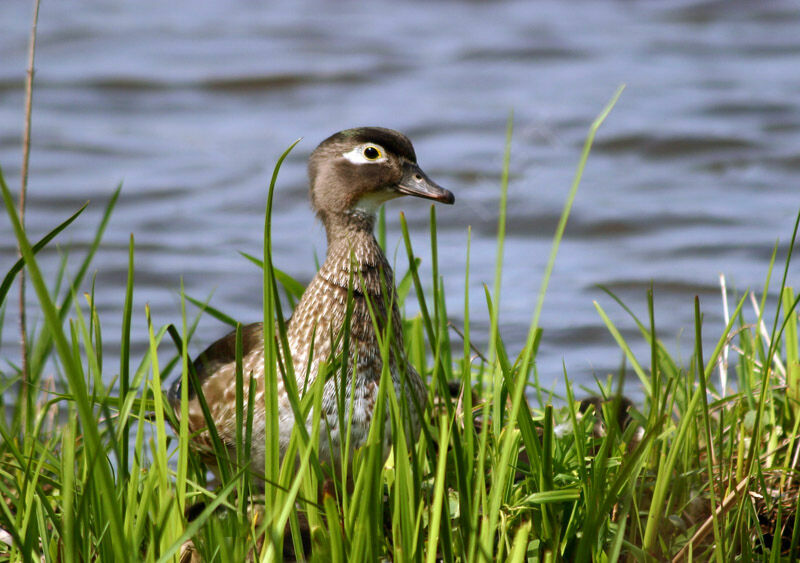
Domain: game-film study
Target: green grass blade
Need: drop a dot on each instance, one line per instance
(501, 234)
(216, 313)
(19, 264)
(291, 285)
(438, 494)
(526, 356)
(272, 431)
(124, 363)
(44, 347)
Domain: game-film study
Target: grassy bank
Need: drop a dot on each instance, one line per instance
(90, 471)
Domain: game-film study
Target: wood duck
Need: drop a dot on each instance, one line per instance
(352, 173)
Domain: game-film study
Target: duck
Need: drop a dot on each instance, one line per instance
(352, 174)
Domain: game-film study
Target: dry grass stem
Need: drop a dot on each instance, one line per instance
(26, 151)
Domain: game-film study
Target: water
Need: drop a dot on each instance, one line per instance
(190, 103)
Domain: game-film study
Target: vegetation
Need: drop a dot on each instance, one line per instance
(89, 470)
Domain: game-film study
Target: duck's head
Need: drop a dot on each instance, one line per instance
(354, 171)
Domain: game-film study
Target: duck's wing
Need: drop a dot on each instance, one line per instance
(215, 369)
(217, 363)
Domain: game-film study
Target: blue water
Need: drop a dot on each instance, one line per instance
(188, 104)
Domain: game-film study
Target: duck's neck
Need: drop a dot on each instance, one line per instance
(354, 257)
(353, 251)
(341, 226)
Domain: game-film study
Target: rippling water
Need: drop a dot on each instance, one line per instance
(190, 103)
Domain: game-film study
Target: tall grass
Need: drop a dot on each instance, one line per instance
(97, 475)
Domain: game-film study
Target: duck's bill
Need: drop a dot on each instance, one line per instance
(415, 182)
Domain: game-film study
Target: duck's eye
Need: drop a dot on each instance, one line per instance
(371, 153)
(367, 153)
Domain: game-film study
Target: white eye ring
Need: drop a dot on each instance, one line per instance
(356, 155)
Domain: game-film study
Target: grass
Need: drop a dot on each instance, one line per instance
(94, 473)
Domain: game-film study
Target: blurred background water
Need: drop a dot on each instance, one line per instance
(189, 103)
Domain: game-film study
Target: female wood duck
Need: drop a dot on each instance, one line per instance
(352, 173)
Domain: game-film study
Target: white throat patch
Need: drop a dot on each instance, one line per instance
(356, 155)
(369, 203)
